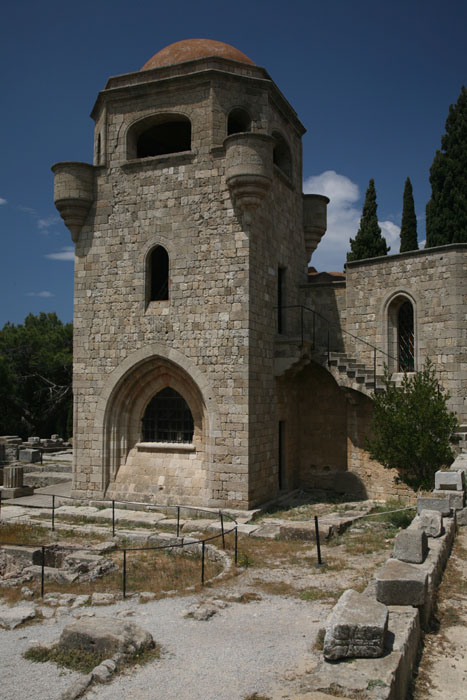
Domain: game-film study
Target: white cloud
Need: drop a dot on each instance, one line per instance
(66, 253)
(391, 233)
(45, 224)
(2, 200)
(343, 219)
(45, 294)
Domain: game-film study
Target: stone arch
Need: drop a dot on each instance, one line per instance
(238, 121)
(157, 274)
(282, 154)
(121, 407)
(396, 302)
(159, 134)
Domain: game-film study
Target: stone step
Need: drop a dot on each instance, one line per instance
(40, 479)
(47, 467)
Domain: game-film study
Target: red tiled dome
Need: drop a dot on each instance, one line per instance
(190, 49)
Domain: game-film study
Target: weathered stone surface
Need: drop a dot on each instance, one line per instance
(306, 530)
(102, 599)
(449, 481)
(431, 521)
(101, 674)
(202, 612)
(105, 636)
(29, 455)
(461, 516)
(441, 504)
(355, 628)
(15, 616)
(399, 583)
(392, 671)
(411, 546)
(460, 463)
(456, 498)
(77, 688)
(267, 531)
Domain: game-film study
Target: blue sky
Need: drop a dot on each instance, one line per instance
(370, 80)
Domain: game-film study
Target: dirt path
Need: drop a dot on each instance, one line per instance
(443, 667)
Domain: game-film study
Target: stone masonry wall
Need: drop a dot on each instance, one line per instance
(435, 280)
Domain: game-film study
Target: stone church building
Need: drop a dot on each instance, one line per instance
(210, 366)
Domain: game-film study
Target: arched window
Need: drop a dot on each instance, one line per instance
(167, 418)
(401, 335)
(158, 274)
(405, 338)
(158, 135)
(281, 155)
(239, 121)
(171, 136)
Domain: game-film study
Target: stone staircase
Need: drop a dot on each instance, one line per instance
(55, 469)
(291, 356)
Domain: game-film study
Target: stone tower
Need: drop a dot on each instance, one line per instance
(190, 230)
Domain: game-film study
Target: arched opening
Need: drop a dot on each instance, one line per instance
(238, 121)
(167, 418)
(401, 334)
(405, 338)
(159, 135)
(158, 274)
(281, 155)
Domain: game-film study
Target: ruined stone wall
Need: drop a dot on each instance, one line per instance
(435, 281)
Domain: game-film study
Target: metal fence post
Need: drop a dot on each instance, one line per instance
(236, 545)
(0, 505)
(42, 571)
(301, 322)
(124, 574)
(221, 515)
(113, 518)
(329, 348)
(53, 512)
(203, 547)
(318, 547)
(178, 521)
(374, 370)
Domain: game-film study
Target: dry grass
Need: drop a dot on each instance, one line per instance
(155, 571)
(83, 661)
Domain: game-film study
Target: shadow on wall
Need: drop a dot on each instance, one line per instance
(337, 483)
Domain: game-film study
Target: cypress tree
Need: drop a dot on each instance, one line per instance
(446, 212)
(369, 242)
(409, 221)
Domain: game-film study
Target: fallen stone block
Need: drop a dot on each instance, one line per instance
(399, 583)
(306, 530)
(105, 636)
(455, 498)
(24, 555)
(77, 688)
(102, 599)
(431, 522)
(29, 455)
(449, 481)
(460, 463)
(411, 546)
(356, 628)
(441, 504)
(15, 616)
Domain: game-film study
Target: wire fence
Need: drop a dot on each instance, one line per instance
(198, 545)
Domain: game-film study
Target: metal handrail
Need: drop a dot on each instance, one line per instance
(331, 324)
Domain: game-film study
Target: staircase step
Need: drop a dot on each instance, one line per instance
(40, 479)
(47, 467)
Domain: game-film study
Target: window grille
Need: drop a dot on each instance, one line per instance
(168, 418)
(406, 338)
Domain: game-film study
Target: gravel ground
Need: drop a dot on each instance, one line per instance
(244, 648)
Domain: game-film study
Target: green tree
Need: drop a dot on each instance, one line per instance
(412, 428)
(446, 212)
(35, 376)
(369, 242)
(409, 221)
